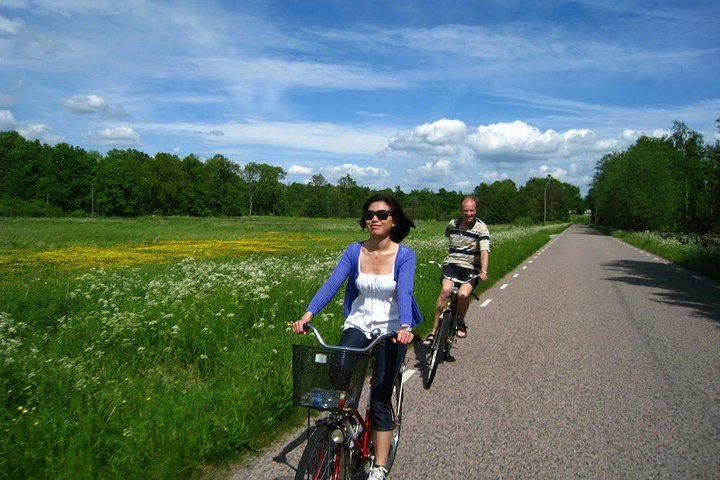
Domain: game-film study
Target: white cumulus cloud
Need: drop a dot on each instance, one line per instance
(86, 104)
(39, 132)
(300, 170)
(355, 171)
(442, 137)
(438, 167)
(7, 120)
(520, 138)
(122, 135)
(9, 27)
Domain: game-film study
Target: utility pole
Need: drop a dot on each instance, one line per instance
(545, 200)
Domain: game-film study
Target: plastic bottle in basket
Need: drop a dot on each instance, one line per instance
(317, 398)
(331, 399)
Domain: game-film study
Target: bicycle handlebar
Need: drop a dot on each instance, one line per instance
(339, 348)
(456, 280)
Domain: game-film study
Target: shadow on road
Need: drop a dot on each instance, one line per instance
(676, 287)
(587, 230)
(298, 441)
(421, 355)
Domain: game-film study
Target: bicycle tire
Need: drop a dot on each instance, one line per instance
(437, 355)
(398, 396)
(451, 333)
(323, 459)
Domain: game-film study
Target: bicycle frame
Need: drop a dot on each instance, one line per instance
(452, 307)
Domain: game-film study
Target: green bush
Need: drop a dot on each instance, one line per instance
(17, 207)
(523, 222)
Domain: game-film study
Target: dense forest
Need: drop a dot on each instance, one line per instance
(62, 180)
(668, 184)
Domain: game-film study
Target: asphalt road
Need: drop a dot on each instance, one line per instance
(591, 360)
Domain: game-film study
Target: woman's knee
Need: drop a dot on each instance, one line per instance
(382, 415)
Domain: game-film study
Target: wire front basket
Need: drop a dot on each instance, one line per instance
(327, 379)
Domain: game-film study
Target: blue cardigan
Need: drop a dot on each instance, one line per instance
(347, 268)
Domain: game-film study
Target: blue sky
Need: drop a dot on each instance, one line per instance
(416, 94)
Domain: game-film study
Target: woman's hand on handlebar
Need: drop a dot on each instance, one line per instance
(404, 336)
(299, 326)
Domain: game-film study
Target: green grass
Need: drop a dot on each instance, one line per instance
(174, 360)
(703, 260)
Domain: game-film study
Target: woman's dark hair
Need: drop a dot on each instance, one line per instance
(402, 224)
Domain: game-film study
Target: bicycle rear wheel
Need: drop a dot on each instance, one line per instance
(438, 348)
(323, 459)
(397, 403)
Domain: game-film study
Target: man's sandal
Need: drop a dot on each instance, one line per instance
(429, 340)
(461, 330)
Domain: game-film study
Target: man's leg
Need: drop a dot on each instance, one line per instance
(445, 289)
(463, 304)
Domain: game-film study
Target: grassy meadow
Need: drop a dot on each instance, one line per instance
(154, 347)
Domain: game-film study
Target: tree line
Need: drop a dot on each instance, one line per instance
(668, 184)
(62, 180)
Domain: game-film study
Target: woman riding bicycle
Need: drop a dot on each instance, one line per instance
(379, 295)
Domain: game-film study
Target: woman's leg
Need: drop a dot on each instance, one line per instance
(388, 359)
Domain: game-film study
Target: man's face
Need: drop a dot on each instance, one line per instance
(469, 209)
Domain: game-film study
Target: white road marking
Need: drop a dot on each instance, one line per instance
(504, 286)
(524, 267)
(516, 275)
(486, 303)
(408, 373)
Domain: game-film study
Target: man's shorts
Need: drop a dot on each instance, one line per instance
(453, 270)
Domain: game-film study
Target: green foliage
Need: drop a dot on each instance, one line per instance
(548, 199)
(129, 183)
(498, 202)
(640, 190)
(18, 207)
(661, 184)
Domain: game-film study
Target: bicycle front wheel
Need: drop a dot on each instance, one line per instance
(323, 459)
(450, 337)
(438, 348)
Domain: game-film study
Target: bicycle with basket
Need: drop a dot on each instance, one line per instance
(330, 378)
(447, 328)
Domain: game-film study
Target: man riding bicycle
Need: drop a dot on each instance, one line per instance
(468, 254)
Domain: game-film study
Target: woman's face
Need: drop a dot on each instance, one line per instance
(376, 225)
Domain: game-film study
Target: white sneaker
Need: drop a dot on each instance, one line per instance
(378, 473)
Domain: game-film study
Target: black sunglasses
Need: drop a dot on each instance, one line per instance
(380, 214)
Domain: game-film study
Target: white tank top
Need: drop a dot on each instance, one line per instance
(375, 305)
